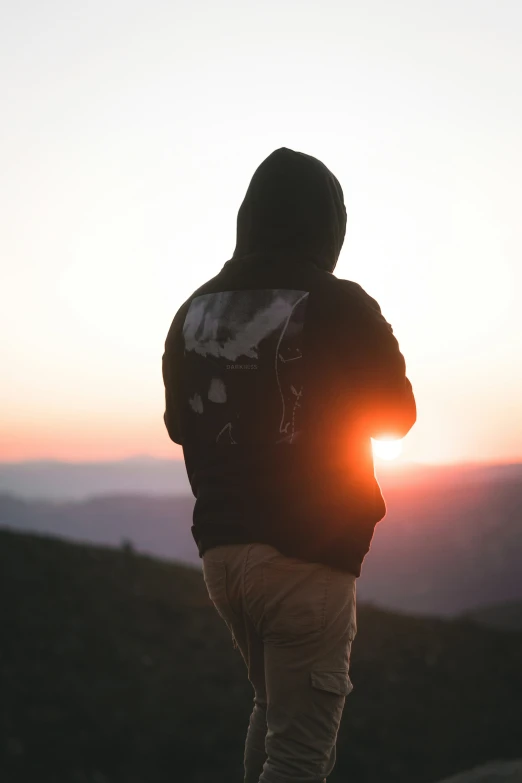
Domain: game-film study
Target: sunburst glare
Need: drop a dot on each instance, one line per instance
(387, 449)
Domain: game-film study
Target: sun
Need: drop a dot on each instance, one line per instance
(387, 449)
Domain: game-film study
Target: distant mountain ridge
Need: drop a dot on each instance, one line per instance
(55, 480)
(448, 539)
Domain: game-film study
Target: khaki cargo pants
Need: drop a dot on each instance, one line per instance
(294, 623)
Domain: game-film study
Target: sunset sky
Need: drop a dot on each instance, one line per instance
(130, 132)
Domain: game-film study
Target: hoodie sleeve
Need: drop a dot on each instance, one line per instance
(386, 401)
(172, 367)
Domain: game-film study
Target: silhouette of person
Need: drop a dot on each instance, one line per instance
(277, 375)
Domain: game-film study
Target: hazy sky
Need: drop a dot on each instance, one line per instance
(130, 132)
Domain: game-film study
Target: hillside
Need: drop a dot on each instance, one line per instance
(155, 525)
(507, 616)
(496, 772)
(114, 668)
(465, 523)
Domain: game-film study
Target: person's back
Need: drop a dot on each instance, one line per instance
(277, 374)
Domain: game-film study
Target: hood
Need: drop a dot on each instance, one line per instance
(294, 206)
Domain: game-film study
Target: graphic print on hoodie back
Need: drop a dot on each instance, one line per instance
(243, 352)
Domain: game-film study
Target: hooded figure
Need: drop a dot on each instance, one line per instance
(294, 205)
(277, 375)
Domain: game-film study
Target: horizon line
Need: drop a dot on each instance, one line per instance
(396, 463)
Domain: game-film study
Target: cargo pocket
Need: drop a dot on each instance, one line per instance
(333, 682)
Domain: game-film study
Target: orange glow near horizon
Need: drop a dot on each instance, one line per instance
(65, 442)
(110, 440)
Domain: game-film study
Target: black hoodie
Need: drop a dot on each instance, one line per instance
(277, 374)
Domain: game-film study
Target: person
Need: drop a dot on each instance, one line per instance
(277, 376)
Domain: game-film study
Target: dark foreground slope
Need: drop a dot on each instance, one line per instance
(494, 772)
(114, 668)
(507, 615)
